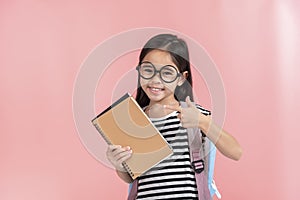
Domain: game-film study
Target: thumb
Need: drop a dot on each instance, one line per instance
(188, 101)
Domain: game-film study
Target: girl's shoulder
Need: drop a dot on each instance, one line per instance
(203, 110)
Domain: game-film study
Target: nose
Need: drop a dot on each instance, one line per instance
(156, 78)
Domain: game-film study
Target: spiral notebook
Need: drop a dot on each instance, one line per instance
(125, 123)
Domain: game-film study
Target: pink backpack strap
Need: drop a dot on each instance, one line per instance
(199, 161)
(133, 190)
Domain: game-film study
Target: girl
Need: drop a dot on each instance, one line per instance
(164, 80)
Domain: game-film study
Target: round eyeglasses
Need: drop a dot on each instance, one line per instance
(167, 73)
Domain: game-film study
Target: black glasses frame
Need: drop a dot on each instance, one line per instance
(157, 71)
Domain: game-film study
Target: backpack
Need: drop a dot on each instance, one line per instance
(202, 153)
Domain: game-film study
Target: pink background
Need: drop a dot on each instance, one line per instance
(255, 45)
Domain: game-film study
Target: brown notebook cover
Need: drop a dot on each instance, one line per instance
(125, 123)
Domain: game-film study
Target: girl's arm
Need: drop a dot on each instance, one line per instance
(116, 156)
(224, 142)
(191, 117)
(124, 176)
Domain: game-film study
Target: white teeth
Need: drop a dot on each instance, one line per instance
(155, 89)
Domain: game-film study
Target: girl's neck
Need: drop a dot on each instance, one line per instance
(157, 109)
(162, 103)
(168, 100)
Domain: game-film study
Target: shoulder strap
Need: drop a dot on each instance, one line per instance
(211, 165)
(133, 187)
(202, 152)
(198, 161)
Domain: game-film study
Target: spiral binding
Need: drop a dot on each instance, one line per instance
(108, 142)
(101, 132)
(128, 169)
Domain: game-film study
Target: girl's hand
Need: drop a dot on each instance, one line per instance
(117, 155)
(190, 116)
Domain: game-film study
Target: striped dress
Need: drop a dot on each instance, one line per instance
(173, 178)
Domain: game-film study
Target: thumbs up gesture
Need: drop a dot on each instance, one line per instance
(190, 116)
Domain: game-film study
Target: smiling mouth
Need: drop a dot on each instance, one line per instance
(155, 89)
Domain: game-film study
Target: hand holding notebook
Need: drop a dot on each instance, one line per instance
(125, 123)
(117, 154)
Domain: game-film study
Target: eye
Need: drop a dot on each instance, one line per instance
(168, 73)
(147, 69)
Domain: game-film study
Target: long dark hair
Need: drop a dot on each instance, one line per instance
(178, 50)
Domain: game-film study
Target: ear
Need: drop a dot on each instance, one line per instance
(183, 78)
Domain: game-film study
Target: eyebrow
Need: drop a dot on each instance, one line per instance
(145, 61)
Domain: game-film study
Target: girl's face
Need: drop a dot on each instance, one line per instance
(156, 89)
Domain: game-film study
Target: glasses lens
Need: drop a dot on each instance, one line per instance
(146, 70)
(168, 73)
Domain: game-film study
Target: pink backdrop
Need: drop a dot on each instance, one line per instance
(43, 44)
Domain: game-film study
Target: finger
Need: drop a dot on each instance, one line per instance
(189, 102)
(124, 156)
(118, 151)
(175, 108)
(113, 147)
(127, 148)
(179, 116)
(182, 123)
(114, 150)
(114, 159)
(117, 147)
